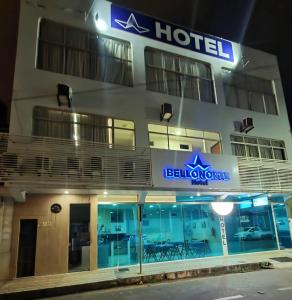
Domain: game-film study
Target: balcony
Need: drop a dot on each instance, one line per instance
(265, 175)
(41, 161)
(59, 163)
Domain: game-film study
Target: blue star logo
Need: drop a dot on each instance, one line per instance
(132, 23)
(197, 164)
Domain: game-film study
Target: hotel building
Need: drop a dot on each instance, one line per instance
(133, 140)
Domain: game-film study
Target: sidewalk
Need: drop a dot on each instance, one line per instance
(53, 285)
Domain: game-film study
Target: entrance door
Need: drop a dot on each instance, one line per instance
(27, 247)
(282, 225)
(79, 237)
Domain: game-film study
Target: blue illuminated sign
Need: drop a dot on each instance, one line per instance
(130, 21)
(198, 172)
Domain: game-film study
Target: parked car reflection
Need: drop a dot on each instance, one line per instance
(253, 233)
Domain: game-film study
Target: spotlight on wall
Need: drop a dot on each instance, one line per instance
(100, 24)
(166, 112)
(247, 125)
(64, 95)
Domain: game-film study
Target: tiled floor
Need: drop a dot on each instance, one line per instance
(61, 280)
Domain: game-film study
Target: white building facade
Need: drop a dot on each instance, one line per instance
(102, 180)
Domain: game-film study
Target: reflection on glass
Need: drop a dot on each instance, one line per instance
(158, 141)
(117, 235)
(179, 231)
(176, 231)
(124, 137)
(212, 147)
(185, 143)
(250, 229)
(282, 224)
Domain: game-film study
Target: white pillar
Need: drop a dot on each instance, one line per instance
(223, 236)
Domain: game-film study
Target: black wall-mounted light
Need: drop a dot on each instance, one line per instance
(166, 112)
(247, 125)
(64, 95)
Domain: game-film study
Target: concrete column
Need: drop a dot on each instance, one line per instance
(6, 216)
(93, 233)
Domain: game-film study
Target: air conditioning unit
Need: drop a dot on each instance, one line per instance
(96, 166)
(247, 125)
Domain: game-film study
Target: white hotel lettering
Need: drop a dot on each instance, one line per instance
(184, 38)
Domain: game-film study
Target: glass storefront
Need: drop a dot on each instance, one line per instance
(282, 225)
(117, 235)
(180, 231)
(250, 228)
(169, 232)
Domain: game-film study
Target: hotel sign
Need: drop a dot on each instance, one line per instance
(223, 235)
(197, 172)
(136, 23)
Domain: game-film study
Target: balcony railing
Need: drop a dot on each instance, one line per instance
(49, 162)
(59, 162)
(265, 175)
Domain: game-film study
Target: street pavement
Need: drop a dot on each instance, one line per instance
(266, 284)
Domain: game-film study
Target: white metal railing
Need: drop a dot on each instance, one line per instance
(59, 162)
(80, 164)
(265, 175)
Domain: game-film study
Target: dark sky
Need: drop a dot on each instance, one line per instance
(261, 24)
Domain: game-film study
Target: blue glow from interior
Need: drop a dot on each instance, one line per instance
(195, 198)
(260, 201)
(245, 204)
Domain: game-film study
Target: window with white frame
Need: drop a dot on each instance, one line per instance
(69, 50)
(249, 92)
(180, 76)
(258, 147)
(49, 122)
(183, 139)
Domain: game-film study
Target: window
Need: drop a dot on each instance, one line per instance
(249, 92)
(77, 126)
(250, 229)
(72, 51)
(258, 147)
(183, 139)
(180, 76)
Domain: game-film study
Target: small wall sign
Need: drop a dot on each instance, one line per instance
(56, 208)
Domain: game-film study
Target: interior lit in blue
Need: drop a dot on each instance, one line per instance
(189, 228)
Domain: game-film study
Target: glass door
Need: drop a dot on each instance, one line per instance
(79, 237)
(282, 225)
(117, 235)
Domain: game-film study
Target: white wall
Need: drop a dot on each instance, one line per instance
(37, 87)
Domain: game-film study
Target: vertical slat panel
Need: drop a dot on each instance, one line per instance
(265, 175)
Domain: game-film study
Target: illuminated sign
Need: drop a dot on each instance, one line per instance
(223, 235)
(133, 22)
(198, 172)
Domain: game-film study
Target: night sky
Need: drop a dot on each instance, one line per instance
(261, 24)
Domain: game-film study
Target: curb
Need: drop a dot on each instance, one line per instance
(140, 279)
